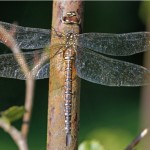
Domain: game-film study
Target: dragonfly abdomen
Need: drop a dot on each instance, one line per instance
(68, 93)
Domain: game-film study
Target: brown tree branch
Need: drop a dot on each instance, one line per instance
(56, 135)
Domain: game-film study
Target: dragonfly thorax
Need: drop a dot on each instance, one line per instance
(71, 40)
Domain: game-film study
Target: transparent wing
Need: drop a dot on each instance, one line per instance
(106, 71)
(116, 44)
(29, 38)
(9, 68)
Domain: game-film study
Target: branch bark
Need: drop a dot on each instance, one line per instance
(56, 136)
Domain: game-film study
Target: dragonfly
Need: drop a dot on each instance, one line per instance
(90, 53)
(90, 63)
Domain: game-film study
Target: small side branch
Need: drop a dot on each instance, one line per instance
(9, 41)
(7, 38)
(15, 134)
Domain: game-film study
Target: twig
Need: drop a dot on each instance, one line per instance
(15, 134)
(29, 95)
(8, 39)
(134, 143)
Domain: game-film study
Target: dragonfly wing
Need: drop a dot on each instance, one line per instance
(116, 44)
(9, 68)
(43, 72)
(29, 38)
(99, 69)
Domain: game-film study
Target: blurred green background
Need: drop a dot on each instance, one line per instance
(110, 115)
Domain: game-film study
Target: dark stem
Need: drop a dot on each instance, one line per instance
(135, 142)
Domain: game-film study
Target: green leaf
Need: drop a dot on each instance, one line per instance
(90, 145)
(13, 113)
(111, 138)
(4, 119)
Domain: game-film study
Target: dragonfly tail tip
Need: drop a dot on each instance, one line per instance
(68, 139)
